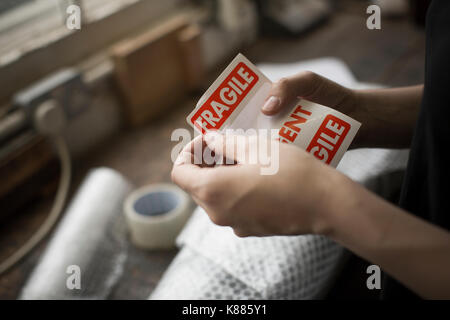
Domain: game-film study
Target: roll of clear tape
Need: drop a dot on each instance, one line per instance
(156, 214)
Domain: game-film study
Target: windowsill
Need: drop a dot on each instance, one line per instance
(28, 59)
(39, 24)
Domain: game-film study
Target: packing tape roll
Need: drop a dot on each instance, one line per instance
(156, 214)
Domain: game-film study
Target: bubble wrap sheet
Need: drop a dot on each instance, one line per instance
(215, 264)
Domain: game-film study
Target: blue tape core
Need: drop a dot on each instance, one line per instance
(156, 203)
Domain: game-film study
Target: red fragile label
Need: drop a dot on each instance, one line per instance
(212, 114)
(328, 138)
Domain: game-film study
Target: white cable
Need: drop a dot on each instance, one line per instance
(48, 111)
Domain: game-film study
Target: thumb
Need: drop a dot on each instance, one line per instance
(307, 85)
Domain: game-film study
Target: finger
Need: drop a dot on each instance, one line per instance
(185, 173)
(198, 148)
(192, 144)
(241, 233)
(205, 185)
(195, 144)
(307, 85)
(197, 180)
(232, 148)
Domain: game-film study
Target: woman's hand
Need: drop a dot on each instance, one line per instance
(312, 87)
(388, 116)
(293, 201)
(305, 196)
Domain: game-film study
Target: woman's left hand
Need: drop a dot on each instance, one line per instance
(292, 201)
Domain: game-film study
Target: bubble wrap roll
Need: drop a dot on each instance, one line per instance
(91, 236)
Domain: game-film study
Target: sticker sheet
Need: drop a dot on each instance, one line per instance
(235, 99)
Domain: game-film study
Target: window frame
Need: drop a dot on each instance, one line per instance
(67, 47)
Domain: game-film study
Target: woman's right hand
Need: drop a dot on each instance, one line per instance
(388, 116)
(312, 87)
(315, 88)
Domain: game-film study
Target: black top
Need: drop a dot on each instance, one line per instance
(426, 189)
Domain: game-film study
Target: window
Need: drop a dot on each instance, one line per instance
(34, 39)
(28, 24)
(94, 10)
(23, 21)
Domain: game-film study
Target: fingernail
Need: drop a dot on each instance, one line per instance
(271, 104)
